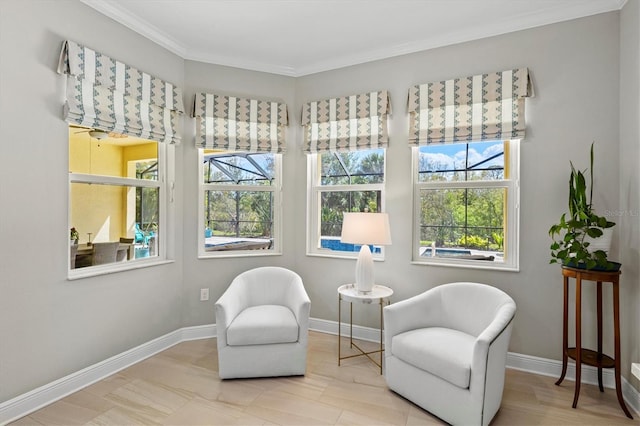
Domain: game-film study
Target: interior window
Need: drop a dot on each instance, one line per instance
(116, 187)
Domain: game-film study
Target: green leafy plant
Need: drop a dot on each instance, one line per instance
(498, 239)
(74, 234)
(473, 241)
(573, 235)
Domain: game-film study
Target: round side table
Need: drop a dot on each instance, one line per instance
(348, 293)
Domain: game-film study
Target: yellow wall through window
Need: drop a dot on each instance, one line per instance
(106, 211)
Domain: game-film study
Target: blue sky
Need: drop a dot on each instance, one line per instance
(446, 155)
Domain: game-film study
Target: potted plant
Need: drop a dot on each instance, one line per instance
(576, 236)
(74, 236)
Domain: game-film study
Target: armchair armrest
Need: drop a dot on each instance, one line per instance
(227, 307)
(491, 334)
(298, 301)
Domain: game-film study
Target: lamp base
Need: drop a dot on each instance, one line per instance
(364, 270)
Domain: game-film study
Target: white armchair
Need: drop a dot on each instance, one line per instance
(262, 324)
(446, 349)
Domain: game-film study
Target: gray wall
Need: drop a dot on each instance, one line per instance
(630, 181)
(574, 66)
(216, 274)
(50, 327)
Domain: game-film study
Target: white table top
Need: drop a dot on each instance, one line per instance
(351, 294)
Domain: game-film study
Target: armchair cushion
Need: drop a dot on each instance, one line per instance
(262, 325)
(442, 352)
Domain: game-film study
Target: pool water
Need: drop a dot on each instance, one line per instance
(337, 245)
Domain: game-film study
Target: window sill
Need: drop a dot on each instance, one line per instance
(95, 271)
(350, 256)
(474, 264)
(238, 253)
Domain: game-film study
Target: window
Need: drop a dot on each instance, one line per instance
(465, 134)
(466, 204)
(117, 193)
(341, 182)
(118, 181)
(240, 198)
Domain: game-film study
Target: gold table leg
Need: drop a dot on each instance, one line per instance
(352, 344)
(339, 326)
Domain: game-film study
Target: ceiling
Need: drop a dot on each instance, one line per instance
(77, 133)
(300, 37)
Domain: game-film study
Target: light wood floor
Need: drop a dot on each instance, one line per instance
(180, 386)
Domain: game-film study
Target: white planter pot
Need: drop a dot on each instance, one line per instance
(602, 243)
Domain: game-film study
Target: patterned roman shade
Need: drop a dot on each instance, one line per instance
(107, 94)
(348, 123)
(481, 107)
(239, 124)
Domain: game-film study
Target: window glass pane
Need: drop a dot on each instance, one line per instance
(147, 208)
(238, 220)
(462, 162)
(463, 223)
(332, 206)
(147, 170)
(114, 156)
(352, 168)
(239, 168)
(107, 213)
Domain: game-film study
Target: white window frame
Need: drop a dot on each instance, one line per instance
(512, 228)
(165, 185)
(314, 195)
(276, 188)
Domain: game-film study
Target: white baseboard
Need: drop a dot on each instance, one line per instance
(198, 332)
(29, 402)
(331, 327)
(528, 363)
(553, 368)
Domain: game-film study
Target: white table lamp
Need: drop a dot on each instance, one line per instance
(365, 229)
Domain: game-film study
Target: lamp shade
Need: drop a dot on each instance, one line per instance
(366, 228)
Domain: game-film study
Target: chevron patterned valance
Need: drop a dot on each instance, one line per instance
(107, 94)
(347, 123)
(240, 124)
(481, 107)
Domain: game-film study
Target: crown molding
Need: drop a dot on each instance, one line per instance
(526, 21)
(137, 24)
(561, 12)
(244, 63)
